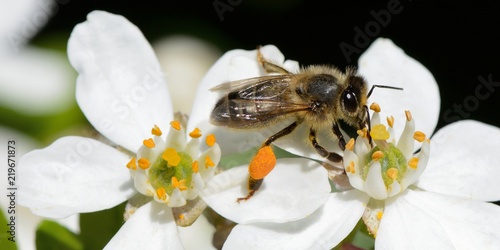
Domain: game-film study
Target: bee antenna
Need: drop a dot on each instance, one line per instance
(381, 86)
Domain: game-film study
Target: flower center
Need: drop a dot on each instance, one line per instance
(171, 170)
(388, 168)
(391, 160)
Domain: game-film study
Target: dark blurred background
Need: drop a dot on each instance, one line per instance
(456, 41)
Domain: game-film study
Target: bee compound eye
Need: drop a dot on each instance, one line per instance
(349, 101)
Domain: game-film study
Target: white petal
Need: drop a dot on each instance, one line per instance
(120, 87)
(185, 60)
(199, 235)
(20, 21)
(323, 229)
(294, 189)
(151, 227)
(464, 161)
(233, 65)
(73, 175)
(386, 64)
(425, 220)
(40, 78)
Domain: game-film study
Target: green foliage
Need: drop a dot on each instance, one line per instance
(98, 228)
(51, 235)
(4, 235)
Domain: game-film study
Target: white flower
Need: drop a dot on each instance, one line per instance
(39, 77)
(442, 207)
(123, 94)
(26, 221)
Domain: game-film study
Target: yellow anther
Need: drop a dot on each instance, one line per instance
(209, 162)
(196, 133)
(161, 193)
(408, 115)
(350, 145)
(362, 132)
(171, 156)
(375, 107)
(176, 125)
(194, 166)
(144, 163)
(149, 143)
(379, 215)
(379, 132)
(181, 216)
(419, 136)
(181, 185)
(390, 121)
(377, 155)
(210, 140)
(132, 164)
(392, 173)
(262, 163)
(156, 131)
(413, 163)
(350, 168)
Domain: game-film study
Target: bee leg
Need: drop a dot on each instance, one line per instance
(336, 131)
(264, 161)
(268, 66)
(368, 124)
(253, 185)
(331, 156)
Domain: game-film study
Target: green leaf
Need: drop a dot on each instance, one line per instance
(5, 234)
(51, 235)
(98, 228)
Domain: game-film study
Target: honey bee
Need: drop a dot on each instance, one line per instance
(318, 96)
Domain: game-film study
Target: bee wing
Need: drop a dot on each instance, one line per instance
(255, 103)
(262, 87)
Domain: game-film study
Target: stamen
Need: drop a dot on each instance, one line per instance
(210, 140)
(262, 163)
(375, 107)
(195, 166)
(379, 215)
(196, 133)
(156, 131)
(171, 156)
(362, 132)
(408, 115)
(176, 125)
(350, 168)
(209, 162)
(413, 163)
(379, 132)
(419, 136)
(350, 145)
(181, 185)
(144, 163)
(377, 155)
(390, 121)
(149, 143)
(161, 193)
(132, 164)
(392, 173)
(181, 216)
